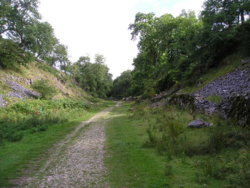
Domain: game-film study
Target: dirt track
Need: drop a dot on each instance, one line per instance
(78, 161)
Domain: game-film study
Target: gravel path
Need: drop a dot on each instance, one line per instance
(78, 161)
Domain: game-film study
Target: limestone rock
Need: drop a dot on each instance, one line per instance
(199, 123)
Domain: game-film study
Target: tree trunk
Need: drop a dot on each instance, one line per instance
(242, 16)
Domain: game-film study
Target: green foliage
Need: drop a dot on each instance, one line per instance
(92, 77)
(39, 38)
(178, 50)
(215, 98)
(20, 22)
(11, 55)
(215, 156)
(43, 87)
(35, 116)
(16, 15)
(122, 85)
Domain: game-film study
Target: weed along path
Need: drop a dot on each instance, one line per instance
(78, 161)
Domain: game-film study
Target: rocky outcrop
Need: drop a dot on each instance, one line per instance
(236, 83)
(236, 108)
(234, 89)
(183, 100)
(204, 105)
(20, 91)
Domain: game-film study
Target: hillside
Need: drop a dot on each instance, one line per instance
(16, 85)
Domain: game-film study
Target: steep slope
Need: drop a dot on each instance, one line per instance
(15, 85)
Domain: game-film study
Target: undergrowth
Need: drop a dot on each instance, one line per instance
(35, 115)
(216, 156)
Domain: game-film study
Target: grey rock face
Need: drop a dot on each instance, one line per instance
(233, 84)
(205, 106)
(198, 124)
(20, 91)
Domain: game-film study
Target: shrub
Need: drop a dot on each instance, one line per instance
(44, 88)
(11, 54)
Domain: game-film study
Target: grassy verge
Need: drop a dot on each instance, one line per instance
(214, 157)
(33, 147)
(129, 163)
(154, 148)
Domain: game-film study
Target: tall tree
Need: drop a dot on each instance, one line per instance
(16, 15)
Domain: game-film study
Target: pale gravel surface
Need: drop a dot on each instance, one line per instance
(78, 161)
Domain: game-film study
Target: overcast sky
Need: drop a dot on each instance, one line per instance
(91, 27)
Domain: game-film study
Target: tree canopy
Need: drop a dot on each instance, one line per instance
(92, 77)
(177, 50)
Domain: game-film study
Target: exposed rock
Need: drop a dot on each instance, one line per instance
(20, 91)
(236, 83)
(236, 108)
(205, 106)
(2, 101)
(158, 104)
(183, 100)
(245, 61)
(199, 123)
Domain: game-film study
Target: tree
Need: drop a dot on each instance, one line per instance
(122, 85)
(40, 40)
(16, 15)
(92, 77)
(223, 14)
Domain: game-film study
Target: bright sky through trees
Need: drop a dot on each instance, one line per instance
(101, 26)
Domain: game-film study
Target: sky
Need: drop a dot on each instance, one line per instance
(89, 27)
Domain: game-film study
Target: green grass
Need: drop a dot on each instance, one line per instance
(33, 148)
(128, 162)
(214, 98)
(147, 138)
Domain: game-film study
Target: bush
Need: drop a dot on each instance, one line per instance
(11, 54)
(44, 88)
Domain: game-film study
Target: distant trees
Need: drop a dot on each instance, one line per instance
(92, 77)
(122, 85)
(176, 50)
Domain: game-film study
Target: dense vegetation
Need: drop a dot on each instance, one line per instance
(92, 77)
(177, 50)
